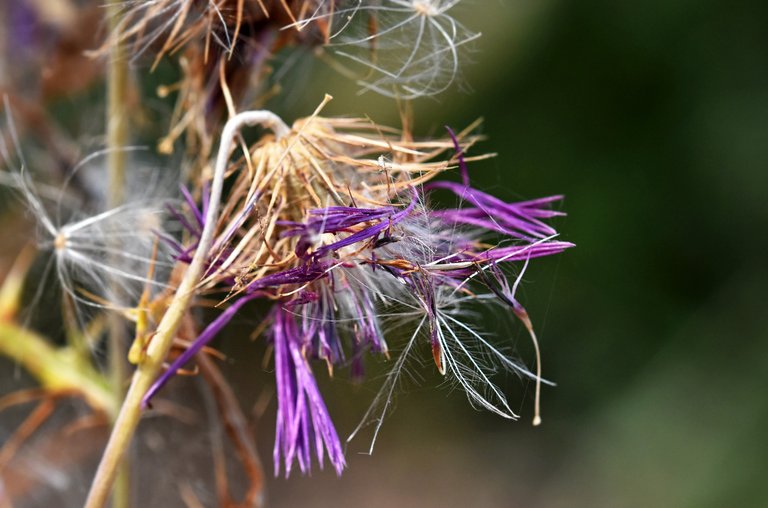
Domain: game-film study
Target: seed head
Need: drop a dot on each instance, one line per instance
(331, 220)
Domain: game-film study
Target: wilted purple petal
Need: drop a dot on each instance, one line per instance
(299, 275)
(460, 155)
(519, 219)
(319, 327)
(192, 206)
(193, 230)
(484, 221)
(522, 252)
(201, 341)
(337, 219)
(367, 331)
(171, 242)
(234, 226)
(303, 421)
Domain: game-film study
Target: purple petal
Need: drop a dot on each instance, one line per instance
(460, 156)
(192, 205)
(201, 341)
(338, 219)
(302, 421)
(299, 275)
(516, 219)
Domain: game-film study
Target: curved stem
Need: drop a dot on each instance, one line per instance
(147, 371)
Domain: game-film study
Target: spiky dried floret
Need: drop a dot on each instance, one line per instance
(332, 221)
(323, 162)
(166, 26)
(405, 48)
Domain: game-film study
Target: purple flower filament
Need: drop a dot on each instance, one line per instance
(349, 261)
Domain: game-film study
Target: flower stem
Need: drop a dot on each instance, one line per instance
(117, 139)
(117, 110)
(58, 370)
(147, 371)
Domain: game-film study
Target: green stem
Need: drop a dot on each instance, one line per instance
(117, 112)
(117, 139)
(58, 370)
(148, 370)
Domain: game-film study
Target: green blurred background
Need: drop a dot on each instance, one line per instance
(652, 118)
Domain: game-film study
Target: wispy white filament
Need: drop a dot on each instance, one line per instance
(408, 48)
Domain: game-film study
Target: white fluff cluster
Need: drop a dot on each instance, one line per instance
(407, 48)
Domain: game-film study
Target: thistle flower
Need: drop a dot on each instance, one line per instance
(331, 221)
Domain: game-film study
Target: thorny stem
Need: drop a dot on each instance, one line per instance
(117, 139)
(147, 371)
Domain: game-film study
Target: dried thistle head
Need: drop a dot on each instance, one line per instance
(166, 26)
(344, 162)
(331, 221)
